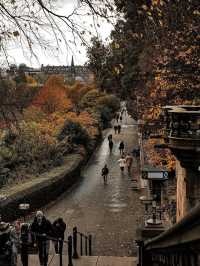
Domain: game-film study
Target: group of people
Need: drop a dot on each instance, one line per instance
(125, 161)
(37, 235)
(118, 120)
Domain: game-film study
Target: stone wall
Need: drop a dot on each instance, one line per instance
(43, 189)
(188, 189)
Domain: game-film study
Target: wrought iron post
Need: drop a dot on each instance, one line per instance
(90, 245)
(70, 251)
(75, 253)
(81, 244)
(60, 251)
(86, 245)
(44, 239)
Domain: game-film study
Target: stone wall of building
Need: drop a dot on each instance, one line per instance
(188, 189)
(181, 197)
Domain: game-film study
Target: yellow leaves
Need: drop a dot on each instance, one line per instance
(116, 45)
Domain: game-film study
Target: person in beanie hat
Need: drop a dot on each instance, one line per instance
(41, 228)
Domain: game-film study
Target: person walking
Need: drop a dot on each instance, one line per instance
(121, 118)
(104, 173)
(59, 227)
(115, 127)
(117, 117)
(119, 129)
(122, 164)
(15, 242)
(129, 162)
(121, 147)
(25, 242)
(110, 145)
(41, 228)
(109, 137)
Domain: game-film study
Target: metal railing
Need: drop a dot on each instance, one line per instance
(178, 246)
(70, 245)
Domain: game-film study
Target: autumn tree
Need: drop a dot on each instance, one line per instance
(52, 97)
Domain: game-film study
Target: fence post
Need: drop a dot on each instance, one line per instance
(70, 251)
(60, 251)
(81, 244)
(86, 245)
(90, 245)
(75, 254)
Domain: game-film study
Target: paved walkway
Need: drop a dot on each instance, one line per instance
(109, 212)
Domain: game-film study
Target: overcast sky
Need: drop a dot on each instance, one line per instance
(64, 57)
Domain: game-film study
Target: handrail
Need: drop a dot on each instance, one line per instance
(176, 234)
(87, 243)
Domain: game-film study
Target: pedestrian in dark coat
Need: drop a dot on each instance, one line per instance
(59, 227)
(117, 118)
(121, 147)
(119, 129)
(109, 137)
(115, 128)
(104, 173)
(42, 228)
(110, 145)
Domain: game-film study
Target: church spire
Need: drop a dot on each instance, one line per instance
(73, 72)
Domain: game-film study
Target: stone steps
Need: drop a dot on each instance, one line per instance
(85, 261)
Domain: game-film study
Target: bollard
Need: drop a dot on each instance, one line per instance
(90, 245)
(81, 244)
(60, 251)
(86, 245)
(70, 251)
(75, 254)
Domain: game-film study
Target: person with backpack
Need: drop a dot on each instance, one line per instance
(59, 227)
(121, 147)
(104, 173)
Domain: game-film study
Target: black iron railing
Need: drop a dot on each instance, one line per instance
(178, 246)
(27, 248)
(85, 243)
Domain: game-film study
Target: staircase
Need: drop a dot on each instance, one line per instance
(84, 261)
(77, 251)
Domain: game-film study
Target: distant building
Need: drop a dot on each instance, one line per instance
(80, 73)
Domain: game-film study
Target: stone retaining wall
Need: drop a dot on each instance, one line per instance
(43, 189)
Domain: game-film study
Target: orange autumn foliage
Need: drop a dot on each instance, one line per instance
(52, 97)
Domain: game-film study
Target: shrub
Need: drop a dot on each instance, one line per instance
(76, 132)
(110, 101)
